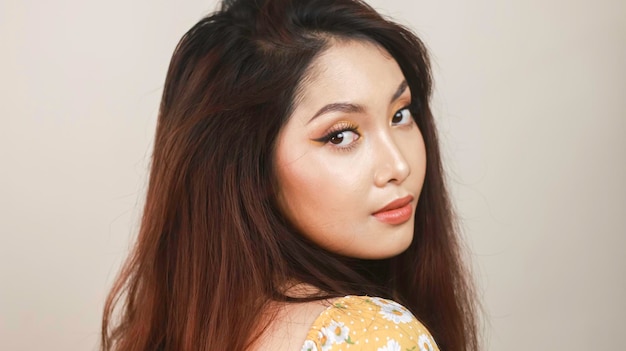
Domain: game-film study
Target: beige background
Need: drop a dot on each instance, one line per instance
(530, 97)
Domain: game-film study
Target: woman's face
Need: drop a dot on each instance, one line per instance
(351, 160)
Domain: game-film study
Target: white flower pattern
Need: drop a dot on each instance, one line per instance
(367, 323)
(309, 345)
(326, 341)
(393, 311)
(337, 332)
(392, 345)
(424, 343)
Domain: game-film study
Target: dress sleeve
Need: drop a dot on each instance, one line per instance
(367, 324)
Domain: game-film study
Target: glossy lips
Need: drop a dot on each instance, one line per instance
(396, 212)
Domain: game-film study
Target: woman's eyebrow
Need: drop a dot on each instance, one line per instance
(347, 107)
(400, 90)
(344, 107)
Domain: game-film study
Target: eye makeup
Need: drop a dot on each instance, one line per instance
(342, 135)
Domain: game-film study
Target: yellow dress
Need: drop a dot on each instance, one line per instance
(368, 324)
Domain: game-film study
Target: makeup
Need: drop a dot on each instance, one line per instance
(350, 180)
(396, 212)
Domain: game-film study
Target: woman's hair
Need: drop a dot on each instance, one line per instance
(213, 248)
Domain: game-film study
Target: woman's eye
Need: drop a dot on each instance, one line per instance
(343, 138)
(402, 117)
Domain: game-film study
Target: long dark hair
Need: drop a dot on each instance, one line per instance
(213, 247)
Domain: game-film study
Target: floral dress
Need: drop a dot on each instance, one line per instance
(368, 324)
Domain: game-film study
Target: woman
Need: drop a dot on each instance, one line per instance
(296, 189)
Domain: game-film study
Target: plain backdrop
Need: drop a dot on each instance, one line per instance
(530, 100)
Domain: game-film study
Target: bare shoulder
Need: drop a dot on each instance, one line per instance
(290, 325)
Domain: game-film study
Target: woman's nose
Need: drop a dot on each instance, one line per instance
(391, 163)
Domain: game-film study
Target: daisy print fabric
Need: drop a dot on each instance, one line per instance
(367, 323)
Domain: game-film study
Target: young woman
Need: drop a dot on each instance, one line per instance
(296, 197)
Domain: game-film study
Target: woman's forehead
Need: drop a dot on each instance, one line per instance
(353, 71)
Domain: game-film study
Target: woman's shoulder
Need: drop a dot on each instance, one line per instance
(367, 323)
(288, 324)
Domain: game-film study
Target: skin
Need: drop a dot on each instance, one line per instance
(339, 164)
(330, 188)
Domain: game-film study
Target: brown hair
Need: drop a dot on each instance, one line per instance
(213, 247)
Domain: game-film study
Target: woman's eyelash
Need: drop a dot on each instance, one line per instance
(337, 130)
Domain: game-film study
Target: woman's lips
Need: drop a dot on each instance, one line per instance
(396, 212)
